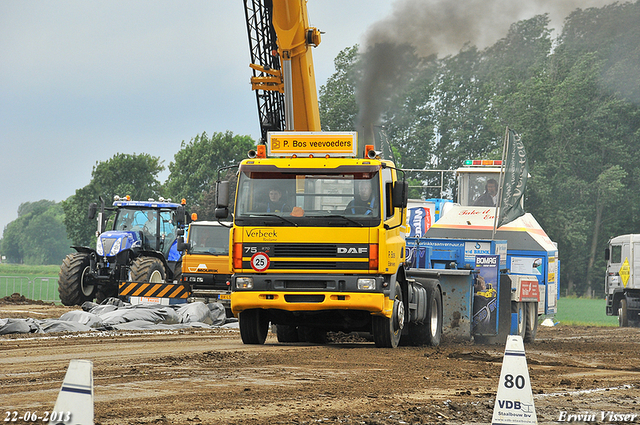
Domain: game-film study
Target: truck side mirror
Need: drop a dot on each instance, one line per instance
(93, 208)
(180, 216)
(607, 254)
(182, 245)
(222, 194)
(400, 194)
(222, 200)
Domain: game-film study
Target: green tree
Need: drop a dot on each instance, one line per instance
(337, 100)
(37, 236)
(124, 174)
(194, 171)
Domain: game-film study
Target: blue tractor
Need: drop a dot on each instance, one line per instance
(139, 243)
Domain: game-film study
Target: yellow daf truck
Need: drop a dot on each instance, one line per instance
(318, 245)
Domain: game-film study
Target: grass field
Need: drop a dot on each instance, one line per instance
(584, 311)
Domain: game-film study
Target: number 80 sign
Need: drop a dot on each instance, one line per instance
(260, 261)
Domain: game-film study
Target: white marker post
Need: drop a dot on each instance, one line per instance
(514, 400)
(75, 400)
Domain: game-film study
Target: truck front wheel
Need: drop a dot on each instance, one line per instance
(388, 330)
(74, 283)
(623, 314)
(253, 326)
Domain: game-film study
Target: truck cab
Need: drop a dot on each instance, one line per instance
(318, 241)
(205, 264)
(621, 290)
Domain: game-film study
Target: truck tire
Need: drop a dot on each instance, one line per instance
(74, 285)
(147, 269)
(521, 310)
(532, 322)
(287, 333)
(430, 331)
(253, 326)
(623, 314)
(434, 315)
(388, 330)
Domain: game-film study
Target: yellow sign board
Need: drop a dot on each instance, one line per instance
(312, 143)
(625, 272)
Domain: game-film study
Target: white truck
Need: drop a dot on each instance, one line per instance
(622, 290)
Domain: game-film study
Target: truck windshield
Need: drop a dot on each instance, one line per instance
(309, 199)
(479, 189)
(208, 239)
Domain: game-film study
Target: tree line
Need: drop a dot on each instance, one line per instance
(574, 99)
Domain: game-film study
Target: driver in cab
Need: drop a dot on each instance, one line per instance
(365, 201)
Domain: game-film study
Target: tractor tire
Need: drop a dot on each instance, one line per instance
(147, 269)
(388, 330)
(74, 286)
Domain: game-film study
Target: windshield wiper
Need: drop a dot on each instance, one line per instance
(277, 216)
(344, 218)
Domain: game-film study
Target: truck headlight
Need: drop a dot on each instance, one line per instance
(367, 284)
(244, 282)
(99, 249)
(116, 247)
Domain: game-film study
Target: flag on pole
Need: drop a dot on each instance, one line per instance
(514, 179)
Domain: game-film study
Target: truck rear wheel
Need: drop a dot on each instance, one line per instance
(147, 269)
(287, 333)
(532, 322)
(521, 310)
(253, 326)
(74, 283)
(388, 330)
(429, 332)
(434, 315)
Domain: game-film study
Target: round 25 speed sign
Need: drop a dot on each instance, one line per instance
(260, 261)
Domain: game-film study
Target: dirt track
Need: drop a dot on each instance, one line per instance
(210, 377)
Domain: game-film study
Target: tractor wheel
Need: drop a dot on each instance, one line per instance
(147, 269)
(253, 326)
(388, 330)
(532, 322)
(74, 284)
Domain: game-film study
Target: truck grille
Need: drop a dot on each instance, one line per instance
(302, 298)
(305, 250)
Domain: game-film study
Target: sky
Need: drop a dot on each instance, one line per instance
(81, 81)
